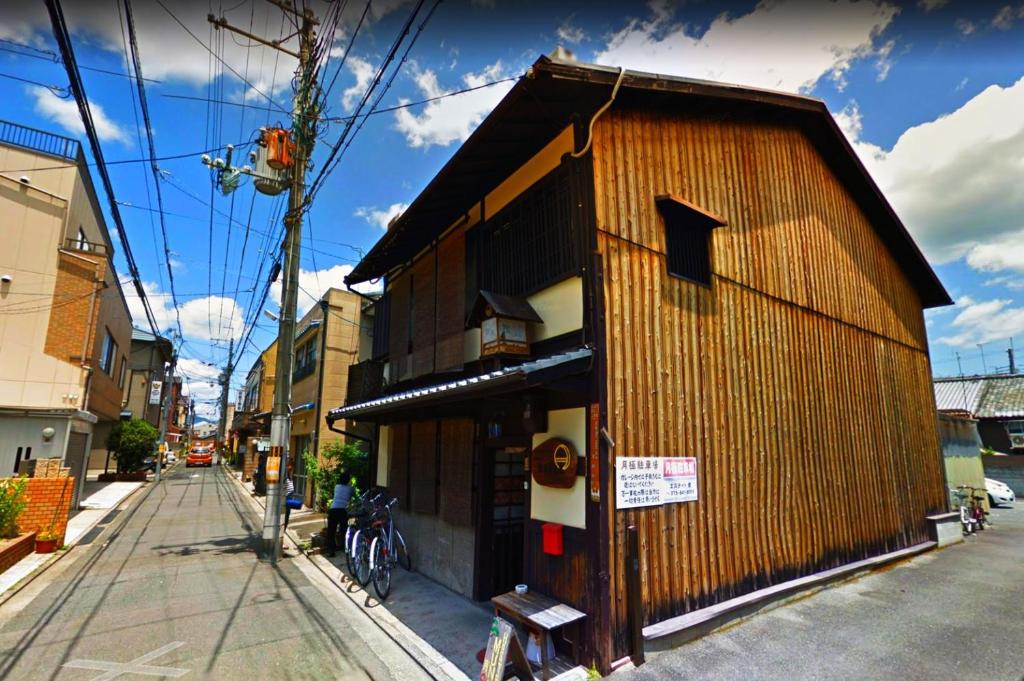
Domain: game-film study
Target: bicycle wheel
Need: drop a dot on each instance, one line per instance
(362, 559)
(381, 569)
(350, 562)
(402, 552)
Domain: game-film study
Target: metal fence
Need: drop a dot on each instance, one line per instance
(38, 140)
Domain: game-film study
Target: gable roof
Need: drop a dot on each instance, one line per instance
(991, 397)
(549, 97)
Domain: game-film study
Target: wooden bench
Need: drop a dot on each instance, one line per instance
(541, 615)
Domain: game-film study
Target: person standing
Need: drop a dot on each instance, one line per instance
(337, 514)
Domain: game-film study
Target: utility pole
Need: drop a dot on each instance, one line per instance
(225, 387)
(304, 136)
(984, 367)
(164, 408)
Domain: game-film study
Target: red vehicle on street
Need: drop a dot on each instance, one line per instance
(199, 456)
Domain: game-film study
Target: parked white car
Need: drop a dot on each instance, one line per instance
(998, 492)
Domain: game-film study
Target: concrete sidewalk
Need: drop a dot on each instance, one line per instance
(954, 613)
(442, 629)
(98, 500)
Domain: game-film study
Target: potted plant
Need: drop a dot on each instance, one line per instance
(47, 540)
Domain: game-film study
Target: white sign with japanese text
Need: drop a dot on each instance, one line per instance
(654, 480)
(154, 391)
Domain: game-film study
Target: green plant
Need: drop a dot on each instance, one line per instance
(987, 451)
(131, 442)
(338, 458)
(12, 503)
(49, 533)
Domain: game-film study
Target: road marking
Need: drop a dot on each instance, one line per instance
(137, 666)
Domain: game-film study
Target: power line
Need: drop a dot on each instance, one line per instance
(144, 106)
(63, 37)
(147, 159)
(53, 57)
(224, 63)
(62, 92)
(375, 112)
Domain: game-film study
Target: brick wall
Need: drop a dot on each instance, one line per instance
(16, 549)
(49, 501)
(73, 296)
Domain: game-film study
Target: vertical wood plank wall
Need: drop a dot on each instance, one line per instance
(800, 378)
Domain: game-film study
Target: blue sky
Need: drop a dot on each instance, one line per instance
(931, 93)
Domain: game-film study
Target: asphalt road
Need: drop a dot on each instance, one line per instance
(956, 613)
(171, 587)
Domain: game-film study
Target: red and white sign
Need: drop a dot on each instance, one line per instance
(654, 480)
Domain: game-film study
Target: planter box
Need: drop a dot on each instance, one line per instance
(13, 550)
(137, 476)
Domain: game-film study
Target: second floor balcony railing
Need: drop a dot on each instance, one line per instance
(39, 140)
(76, 244)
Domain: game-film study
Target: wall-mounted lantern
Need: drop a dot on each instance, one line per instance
(502, 320)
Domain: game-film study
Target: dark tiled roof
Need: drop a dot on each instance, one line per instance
(982, 396)
(508, 378)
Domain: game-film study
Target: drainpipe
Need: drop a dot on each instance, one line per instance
(85, 340)
(324, 309)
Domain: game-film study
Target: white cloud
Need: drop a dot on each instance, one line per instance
(200, 317)
(883, 64)
(451, 119)
(931, 5)
(1006, 16)
(313, 284)
(965, 27)
(381, 218)
(984, 322)
(64, 112)
(1010, 282)
(570, 34)
(168, 52)
(1004, 252)
(364, 72)
(955, 181)
(784, 44)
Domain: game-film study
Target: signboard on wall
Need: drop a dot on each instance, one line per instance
(654, 480)
(154, 391)
(553, 463)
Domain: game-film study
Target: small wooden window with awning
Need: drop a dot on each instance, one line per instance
(687, 238)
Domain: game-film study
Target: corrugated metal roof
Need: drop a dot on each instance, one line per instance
(958, 394)
(454, 389)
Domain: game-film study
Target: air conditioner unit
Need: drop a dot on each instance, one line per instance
(1017, 441)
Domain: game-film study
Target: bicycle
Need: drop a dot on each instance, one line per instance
(387, 550)
(968, 522)
(357, 546)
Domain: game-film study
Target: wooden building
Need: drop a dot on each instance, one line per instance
(702, 271)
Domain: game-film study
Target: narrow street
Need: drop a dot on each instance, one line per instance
(955, 613)
(171, 587)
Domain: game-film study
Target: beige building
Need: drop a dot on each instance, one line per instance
(326, 345)
(65, 329)
(250, 423)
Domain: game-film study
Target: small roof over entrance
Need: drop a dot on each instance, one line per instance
(529, 374)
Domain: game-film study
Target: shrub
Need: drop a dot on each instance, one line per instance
(131, 442)
(338, 458)
(12, 503)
